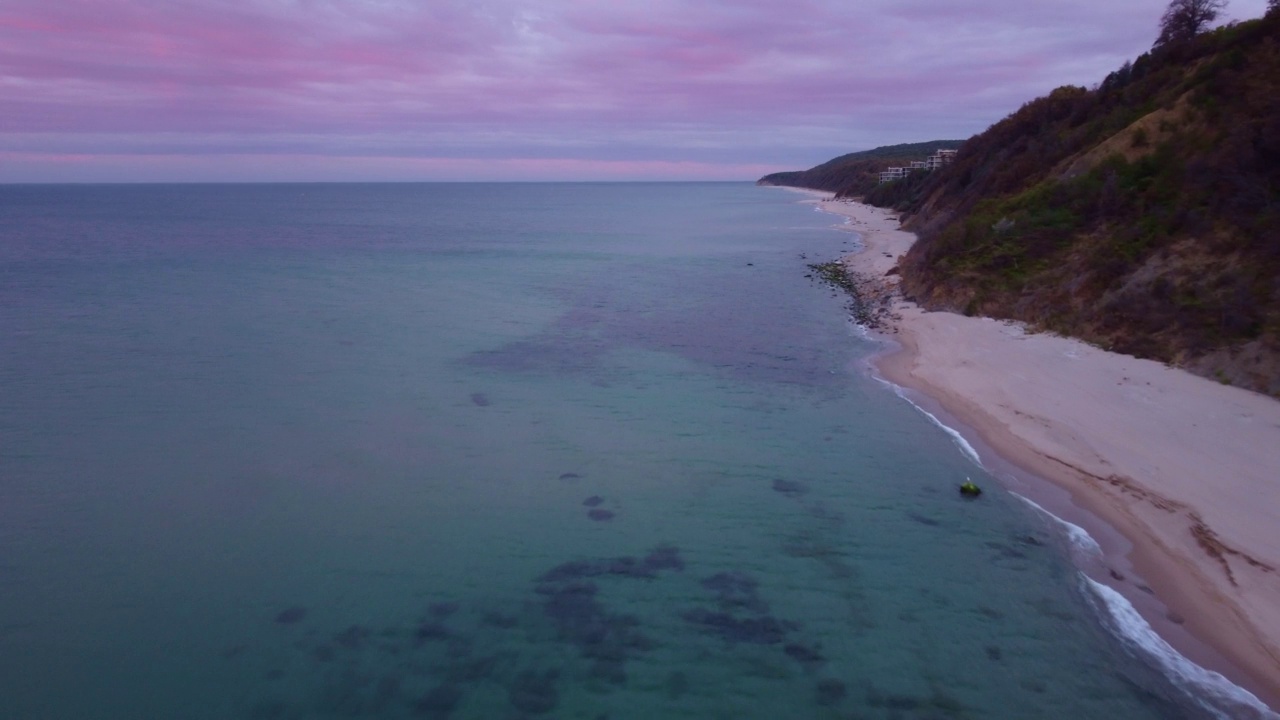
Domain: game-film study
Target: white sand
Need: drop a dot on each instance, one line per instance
(1185, 468)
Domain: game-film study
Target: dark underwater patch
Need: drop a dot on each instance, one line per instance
(790, 488)
(291, 615)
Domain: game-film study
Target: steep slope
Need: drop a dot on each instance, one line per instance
(856, 173)
(1143, 215)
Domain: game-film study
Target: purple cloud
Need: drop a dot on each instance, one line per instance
(433, 90)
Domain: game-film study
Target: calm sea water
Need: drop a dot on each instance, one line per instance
(492, 451)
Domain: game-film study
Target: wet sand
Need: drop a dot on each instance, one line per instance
(1185, 468)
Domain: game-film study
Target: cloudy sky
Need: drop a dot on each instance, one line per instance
(196, 90)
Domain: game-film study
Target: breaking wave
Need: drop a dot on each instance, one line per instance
(1208, 689)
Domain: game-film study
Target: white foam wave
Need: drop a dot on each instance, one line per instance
(1212, 691)
(959, 440)
(860, 330)
(1078, 536)
(819, 207)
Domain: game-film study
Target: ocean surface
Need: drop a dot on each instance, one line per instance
(496, 451)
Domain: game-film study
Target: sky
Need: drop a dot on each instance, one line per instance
(460, 90)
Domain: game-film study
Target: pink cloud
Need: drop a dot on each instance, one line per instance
(733, 82)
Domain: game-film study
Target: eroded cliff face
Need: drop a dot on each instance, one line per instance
(1142, 215)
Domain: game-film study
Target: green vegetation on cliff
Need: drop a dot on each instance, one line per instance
(859, 172)
(1142, 215)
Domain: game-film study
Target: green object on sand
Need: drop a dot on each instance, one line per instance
(968, 489)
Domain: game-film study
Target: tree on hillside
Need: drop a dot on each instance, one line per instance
(1273, 5)
(1184, 19)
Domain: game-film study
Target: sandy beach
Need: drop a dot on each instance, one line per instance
(1186, 469)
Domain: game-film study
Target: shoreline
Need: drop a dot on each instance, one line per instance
(1167, 469)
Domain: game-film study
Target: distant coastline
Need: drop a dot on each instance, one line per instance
(1180, 465)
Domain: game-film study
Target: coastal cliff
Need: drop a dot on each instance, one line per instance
(1142, 215)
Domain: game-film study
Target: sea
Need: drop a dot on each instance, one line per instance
(544, 450)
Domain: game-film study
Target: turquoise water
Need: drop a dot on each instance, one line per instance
(492, 451)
